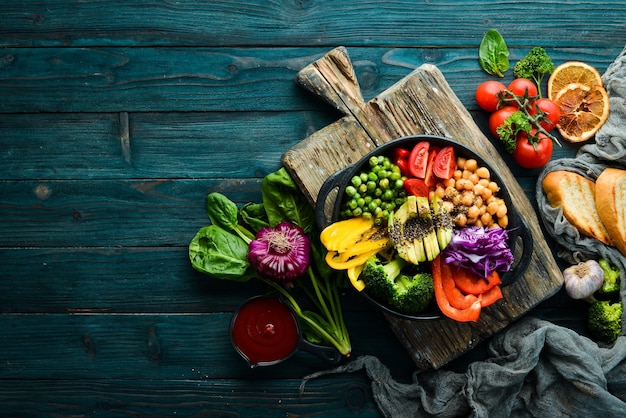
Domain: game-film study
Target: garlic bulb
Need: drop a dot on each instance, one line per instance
(583, 279)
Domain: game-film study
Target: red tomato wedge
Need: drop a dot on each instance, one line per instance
(418, 160)
(470, 283)
(445, 163)
(470, 314)
(430, 178)
(456, 298)
(416, 187)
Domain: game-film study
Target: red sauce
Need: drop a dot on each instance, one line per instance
(264, 331)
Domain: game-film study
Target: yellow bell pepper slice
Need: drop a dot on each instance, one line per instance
(334, 260)
(353, 275)
(341, 235)
(364, 247)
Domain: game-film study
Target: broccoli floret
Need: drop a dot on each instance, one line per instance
(534, 66)
(604, 319)
(379, 277)
(413, 293)
(611, 283)
(386, 282)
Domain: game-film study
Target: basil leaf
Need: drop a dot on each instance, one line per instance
(220, 254)
(284, 201)
(493, 54)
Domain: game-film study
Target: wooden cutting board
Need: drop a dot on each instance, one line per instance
(421, 103)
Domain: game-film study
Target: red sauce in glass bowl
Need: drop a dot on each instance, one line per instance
(264, 331)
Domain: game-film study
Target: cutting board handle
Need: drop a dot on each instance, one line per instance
(333, 79)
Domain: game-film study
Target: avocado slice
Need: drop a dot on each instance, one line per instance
(412, 231)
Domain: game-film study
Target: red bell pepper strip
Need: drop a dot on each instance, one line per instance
(490, 297)
(456, 298)
(461, 315)
(430, 179)
(470, 283)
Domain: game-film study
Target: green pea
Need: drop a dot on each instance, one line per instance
(351, 191)
(383, 183)
(356, 181)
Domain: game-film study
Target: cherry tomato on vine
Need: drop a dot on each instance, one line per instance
(552, 110)
(519, 86)
(487, 95)
(498, 117)
(527, 156)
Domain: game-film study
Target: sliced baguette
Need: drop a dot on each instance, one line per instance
(611, 205)
(576, 195)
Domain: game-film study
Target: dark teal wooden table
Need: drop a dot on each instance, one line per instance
(117, 118)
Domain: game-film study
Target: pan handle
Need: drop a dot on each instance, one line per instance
(336, 180)
(523, 232)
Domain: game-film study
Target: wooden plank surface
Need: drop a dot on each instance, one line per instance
(420, 103)
(98, 96)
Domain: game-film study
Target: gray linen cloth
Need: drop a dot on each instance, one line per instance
(534, 368)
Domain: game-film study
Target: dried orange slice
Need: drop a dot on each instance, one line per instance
(584, 109)
(572, 72)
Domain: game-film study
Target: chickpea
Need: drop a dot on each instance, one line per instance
(458, 174)
(485, 218)
(483, 172)
(474, 178)
(478, 189)
(449, 182)
(493, 186)
(473, 212)
(484, 182)
(502, 211)
(478, 201)
(492, 207)
(461, 220)
(487, 194)
(471, 164)
(460, 162)
(440, 191)
(466, 174)
(503, 221)
(467, 198)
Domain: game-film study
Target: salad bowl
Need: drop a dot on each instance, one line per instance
(518, 232)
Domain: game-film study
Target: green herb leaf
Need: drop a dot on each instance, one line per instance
(254, 215)
(514, 124)
(220, 254)
(221, 211)
(284, 201)
(493, 54)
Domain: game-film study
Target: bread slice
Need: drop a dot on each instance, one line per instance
(576, 195)
(611, 205)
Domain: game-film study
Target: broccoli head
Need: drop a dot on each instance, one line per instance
(379, 277)
(386, 282)
(534, 66)
(413, 293)
(604, 319)
(611, 284)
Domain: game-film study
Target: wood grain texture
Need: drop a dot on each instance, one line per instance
(117, 118)
(421, 103)
(286, 23)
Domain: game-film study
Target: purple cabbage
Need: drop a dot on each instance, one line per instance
(479, 250)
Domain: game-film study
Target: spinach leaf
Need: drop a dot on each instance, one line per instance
(220, 254)
(284, 201)
(493, 54)
(223, 212)
(254, 215)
